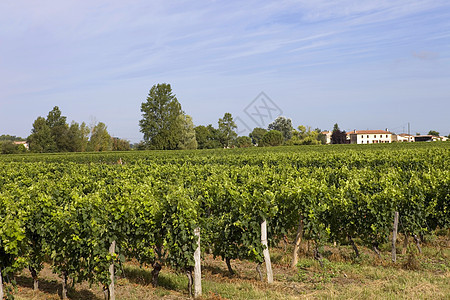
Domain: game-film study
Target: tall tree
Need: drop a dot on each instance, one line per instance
(41, 139)
(257, 134)
(338, 136)
(85, 131)
(227, 129)
(100, 138)
(160, 124)
(283, 125)
(59, 129)
(78, 137)
(187, 133)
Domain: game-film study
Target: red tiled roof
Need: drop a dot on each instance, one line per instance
(369, 132)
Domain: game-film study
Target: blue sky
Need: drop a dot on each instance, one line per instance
(361, 64)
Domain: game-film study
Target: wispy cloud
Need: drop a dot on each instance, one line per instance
(426, 55)
(56, 47)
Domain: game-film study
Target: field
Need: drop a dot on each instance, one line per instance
(343, 278)
(60, 213)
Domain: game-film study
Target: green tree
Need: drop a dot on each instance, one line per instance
(160, 124)
(283, 125)
(85, 131)
(202, 136)
(8, 147)
(207, 137)
(138, 146)
(433, 132)
(244, 142)
(74, 137)
(59, 129)
(257, 134)
(78, 137)
(187, 133)
(227, 129)
(41, 139)
(272, 138)
(12, 138)
(304, 135)
(120, 144)
(322, 138)
(100, 138)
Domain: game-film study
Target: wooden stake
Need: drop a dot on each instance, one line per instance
(112, 251)
(394, 237)
(266, 251)
(298, 240)
(197, 268)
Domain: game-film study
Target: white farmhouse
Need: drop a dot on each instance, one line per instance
(327, 134)
(404, 137)
(440, 138)
(370, 136)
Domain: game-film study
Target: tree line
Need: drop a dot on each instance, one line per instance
(54, 134)
(166, 126)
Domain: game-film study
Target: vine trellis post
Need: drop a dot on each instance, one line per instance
(112, 250)
(197, 267)
(266, 251)
(298, 240)
(394, 237)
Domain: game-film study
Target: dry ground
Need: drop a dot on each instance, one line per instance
(413, 276)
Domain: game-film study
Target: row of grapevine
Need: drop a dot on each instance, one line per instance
(69, 213)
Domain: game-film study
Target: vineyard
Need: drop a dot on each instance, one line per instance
(86, 214)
